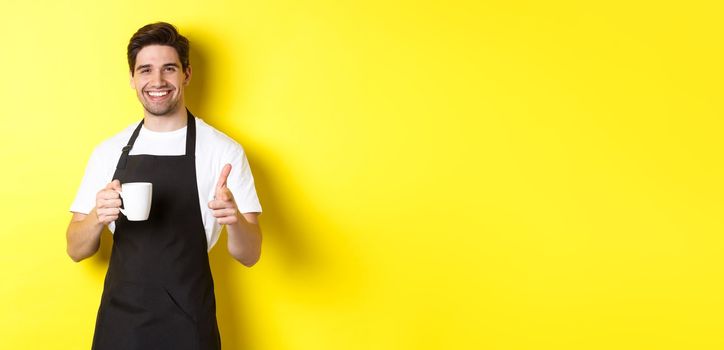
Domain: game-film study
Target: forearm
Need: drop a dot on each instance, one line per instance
(244, 242)
(83, 236)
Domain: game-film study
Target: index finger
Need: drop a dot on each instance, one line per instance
(108, 194)
(224, 175)
(113, 185)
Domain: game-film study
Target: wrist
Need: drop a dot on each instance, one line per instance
(95, 219)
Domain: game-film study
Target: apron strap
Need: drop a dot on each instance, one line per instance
(190, 140)
(190, 134)
(127, 148)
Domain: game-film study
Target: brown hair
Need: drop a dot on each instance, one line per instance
(159, 33)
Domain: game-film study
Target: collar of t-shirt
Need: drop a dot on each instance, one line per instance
(167, 143)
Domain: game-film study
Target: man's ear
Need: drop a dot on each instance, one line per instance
(187, 72)
(130, 80)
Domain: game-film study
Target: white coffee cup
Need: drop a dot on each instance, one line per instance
(136, 200)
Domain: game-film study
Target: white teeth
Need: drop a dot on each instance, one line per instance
(158, 93)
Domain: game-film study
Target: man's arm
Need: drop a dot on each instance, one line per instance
(244, 242)
(83, 235)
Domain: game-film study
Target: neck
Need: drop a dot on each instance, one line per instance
(169, 122)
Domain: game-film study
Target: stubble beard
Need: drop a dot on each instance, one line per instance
(160, 110)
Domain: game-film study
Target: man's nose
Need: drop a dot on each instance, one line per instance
(156, 78)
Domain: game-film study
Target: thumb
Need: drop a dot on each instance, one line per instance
(114, 185)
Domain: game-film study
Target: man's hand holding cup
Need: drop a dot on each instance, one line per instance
(108, 203)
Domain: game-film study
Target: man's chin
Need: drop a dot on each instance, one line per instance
(159, 112)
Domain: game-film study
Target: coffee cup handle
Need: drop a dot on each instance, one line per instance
(123, 211)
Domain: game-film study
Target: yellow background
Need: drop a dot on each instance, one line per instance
(434, 174)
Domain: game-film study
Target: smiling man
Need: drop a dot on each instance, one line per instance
(158, 292)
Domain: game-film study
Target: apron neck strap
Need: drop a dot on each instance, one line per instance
(190, 140)
(190, 134)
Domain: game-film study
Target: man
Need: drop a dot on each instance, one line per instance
(158, 292)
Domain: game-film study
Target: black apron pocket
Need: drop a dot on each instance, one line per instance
(138, 316)
(178, 307)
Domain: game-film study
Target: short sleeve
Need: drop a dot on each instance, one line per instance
(94, 179)
(241, 183)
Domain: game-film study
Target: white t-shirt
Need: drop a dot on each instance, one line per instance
(213, 150)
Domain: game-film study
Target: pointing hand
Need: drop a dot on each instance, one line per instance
(223, 205)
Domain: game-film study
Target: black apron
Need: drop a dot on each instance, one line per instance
(158, 293)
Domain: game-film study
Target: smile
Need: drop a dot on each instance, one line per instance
(158, 96)
(157, 93)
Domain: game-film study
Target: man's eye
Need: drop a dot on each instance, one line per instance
(170, 69)
(145, 70)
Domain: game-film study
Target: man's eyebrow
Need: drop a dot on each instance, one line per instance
(143, 66)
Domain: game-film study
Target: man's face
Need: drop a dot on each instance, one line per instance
(159, 80)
